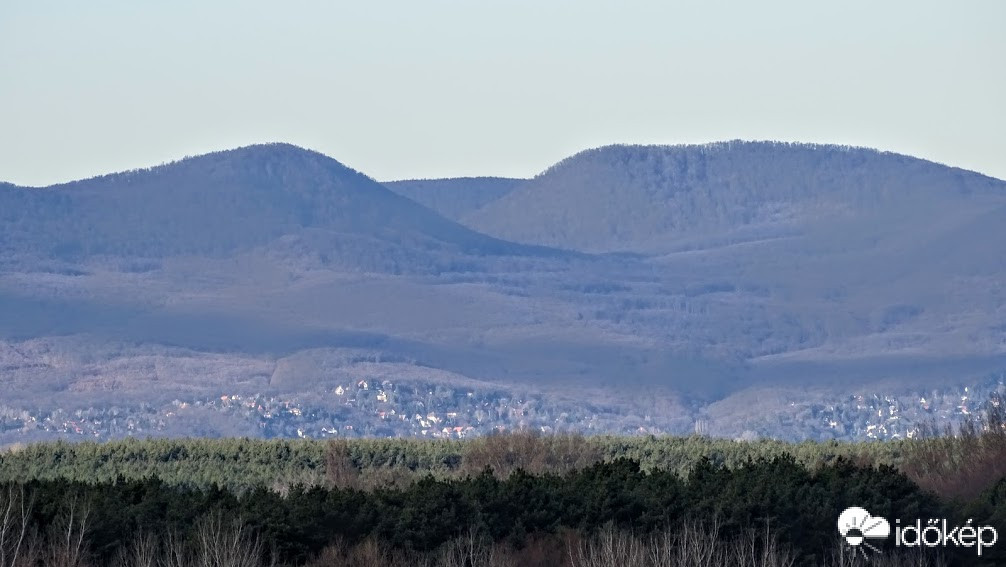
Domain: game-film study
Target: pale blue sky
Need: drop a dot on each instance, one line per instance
(411, 88)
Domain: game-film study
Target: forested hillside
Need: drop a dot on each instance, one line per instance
(227, 202)
(657, 198)
(744, 290)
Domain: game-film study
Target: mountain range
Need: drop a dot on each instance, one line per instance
(700, 276)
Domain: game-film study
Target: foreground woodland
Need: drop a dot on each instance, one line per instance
(518, 499)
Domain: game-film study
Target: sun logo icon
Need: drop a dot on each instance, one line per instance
(857, 526)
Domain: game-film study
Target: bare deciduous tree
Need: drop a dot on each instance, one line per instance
(473, 550)
(340, 471)
(960, 462)
(692, 545)
(505, 453)
(222, 542)
(143, 551)
(18, 542)
(67, 540)
(174, 552)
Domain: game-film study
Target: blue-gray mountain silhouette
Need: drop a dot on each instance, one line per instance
(655, 198)
(636, 273)
(220, 203)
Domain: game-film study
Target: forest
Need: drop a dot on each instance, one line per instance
(514, 499)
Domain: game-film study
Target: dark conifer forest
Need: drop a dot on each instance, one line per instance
(515, 499)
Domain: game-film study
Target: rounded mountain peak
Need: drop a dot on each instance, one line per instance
(233, 200)
(622, 197)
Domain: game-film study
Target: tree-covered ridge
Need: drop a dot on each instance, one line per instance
(644, 197)
(218, 204)
(275, 272)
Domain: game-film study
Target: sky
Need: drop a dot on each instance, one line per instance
(405, 89)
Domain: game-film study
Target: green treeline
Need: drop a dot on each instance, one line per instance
(796, 505)
(240, 464)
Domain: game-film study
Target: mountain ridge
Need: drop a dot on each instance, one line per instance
(247, 149)
(625, 198)
(224, 201)
(728, 144)
(685, 275)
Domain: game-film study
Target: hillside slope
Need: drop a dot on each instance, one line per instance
(660, 198)
(221, 203)
(777, 273)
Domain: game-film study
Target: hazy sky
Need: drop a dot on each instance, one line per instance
(428, 88)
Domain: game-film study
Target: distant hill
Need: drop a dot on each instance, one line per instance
(654, 198)
(720, 283)
(454, 197)
(225, 202)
